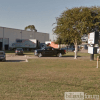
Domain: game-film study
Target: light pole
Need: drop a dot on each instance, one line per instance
(21, 34)
(3, 40)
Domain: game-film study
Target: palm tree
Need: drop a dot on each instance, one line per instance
(31, 27)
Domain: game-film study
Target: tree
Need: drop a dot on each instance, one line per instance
(75, 22)
(31, 27)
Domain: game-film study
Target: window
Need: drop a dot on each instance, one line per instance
(18, 40)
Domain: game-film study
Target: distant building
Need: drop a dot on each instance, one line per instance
(11, 36)
(84, 38)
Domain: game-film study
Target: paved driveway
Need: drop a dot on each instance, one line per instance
(17, 58)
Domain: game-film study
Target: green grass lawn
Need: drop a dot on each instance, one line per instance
(78, 54)
(48, 79)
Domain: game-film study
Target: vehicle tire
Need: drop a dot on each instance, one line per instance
(40, 55)
(59, 55)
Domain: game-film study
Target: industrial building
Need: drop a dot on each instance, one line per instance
(8, 36)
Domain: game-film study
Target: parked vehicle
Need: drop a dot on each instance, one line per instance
(49, 51)
(2, 56)
(19, 51)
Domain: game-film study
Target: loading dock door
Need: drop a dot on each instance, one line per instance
(6, 42)
(0, 45)
(6, 47)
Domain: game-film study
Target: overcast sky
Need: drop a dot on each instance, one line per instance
(41, 13)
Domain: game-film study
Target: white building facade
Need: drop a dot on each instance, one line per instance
(8, 36)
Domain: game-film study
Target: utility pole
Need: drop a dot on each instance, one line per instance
(53, 38)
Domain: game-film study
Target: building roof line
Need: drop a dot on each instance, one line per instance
(22, 30)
